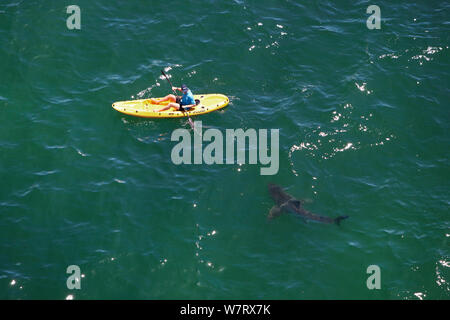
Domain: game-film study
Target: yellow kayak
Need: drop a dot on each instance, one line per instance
(143, 108)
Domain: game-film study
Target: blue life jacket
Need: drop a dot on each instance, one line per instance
(187, 98)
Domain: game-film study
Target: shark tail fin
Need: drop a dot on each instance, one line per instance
(338, 219)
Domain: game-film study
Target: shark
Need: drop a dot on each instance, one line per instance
(287, 203)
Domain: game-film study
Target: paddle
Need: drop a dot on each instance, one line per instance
(191, 123)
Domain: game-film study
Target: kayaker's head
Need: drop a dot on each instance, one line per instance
(184, 88)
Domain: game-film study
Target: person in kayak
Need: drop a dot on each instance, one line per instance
(183, 103)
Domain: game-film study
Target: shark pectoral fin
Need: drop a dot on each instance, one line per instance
(274, 212)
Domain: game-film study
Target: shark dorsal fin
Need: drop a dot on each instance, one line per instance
(296, 203)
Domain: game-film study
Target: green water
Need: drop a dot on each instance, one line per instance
(363, 118)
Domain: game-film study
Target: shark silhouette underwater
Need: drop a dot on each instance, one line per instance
(287, 203)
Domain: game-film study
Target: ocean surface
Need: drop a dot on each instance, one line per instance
(363, 117)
